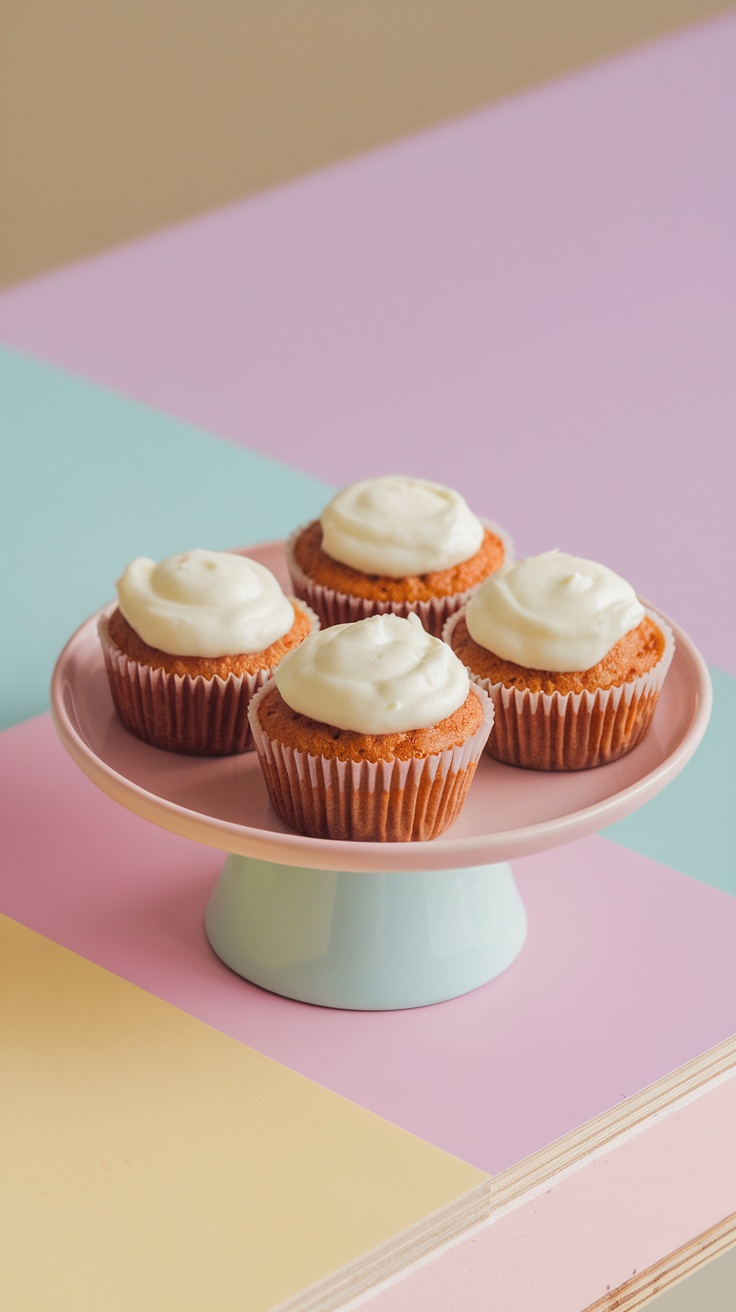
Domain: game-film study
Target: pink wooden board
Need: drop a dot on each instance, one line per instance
(627, 973)
(602, 1223)
(534, 304)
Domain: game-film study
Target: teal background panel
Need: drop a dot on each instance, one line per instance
(91, 480)
(691, 826)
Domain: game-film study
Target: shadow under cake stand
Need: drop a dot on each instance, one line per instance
(369, 926)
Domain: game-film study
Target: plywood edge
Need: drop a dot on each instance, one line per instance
(487, 1202)
(390, 1259)
(641, 1288)
(605, 1131)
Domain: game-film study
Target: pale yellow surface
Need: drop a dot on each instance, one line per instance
(150, 1162)
(120, 118)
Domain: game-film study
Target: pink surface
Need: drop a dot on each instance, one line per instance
(627, 973)
(534, 304)
(596, 1228)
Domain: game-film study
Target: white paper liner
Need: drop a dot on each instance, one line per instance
(572, 731)
(196, 716)
(376, 801)
(340, 608)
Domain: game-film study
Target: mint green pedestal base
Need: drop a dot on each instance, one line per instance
(365, 941)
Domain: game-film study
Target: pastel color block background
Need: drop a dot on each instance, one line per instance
(626, 974)
(535, 305)
(96, 479)
(127, 1118)
(171, 119)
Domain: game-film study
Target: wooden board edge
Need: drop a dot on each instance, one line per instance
(670, 1270)
(422, 1240)
(483, 1204)
(602, 1132)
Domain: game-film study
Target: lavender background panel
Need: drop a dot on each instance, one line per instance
(535, 304)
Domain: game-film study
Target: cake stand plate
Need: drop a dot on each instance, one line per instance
(366, 925)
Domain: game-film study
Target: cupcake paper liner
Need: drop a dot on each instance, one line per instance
(341, 608)
(369, 801)
(572, 731)
(196, 716)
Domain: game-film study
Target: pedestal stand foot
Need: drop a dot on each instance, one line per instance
(365, 941)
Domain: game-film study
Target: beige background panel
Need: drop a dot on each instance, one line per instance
(711, 1289)
(149, 1161)
(121, 118)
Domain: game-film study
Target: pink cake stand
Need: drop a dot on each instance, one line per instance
(366, 925)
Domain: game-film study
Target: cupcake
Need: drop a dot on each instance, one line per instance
(370, 731)
(394, 544)
(572, 660)
(188, 644)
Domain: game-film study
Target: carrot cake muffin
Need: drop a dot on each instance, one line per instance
(370, 731)
(573, 662)
(394, 544)
(190, 641)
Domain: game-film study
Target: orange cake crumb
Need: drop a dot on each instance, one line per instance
(633, 655)
(303, 734)
(323, 570)
(133, 646)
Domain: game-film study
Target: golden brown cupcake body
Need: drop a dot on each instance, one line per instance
(336, 784)
(394, 758)
(394, 544)
(191, 639)
(547, 720)
(206, 667)
(319, 739)
(196, 705)
(632, 656)
(339, 594)
(329, 573)
(572, 659)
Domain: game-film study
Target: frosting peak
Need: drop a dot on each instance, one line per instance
(397, 526)
(553, 612)
(380, 675)
(204, 603)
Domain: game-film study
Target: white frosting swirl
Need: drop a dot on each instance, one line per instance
(398, 526)
(204, 603)
(384, 674)
(553, 612)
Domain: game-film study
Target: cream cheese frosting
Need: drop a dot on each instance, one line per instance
(380, 675)
(553, 612)
(204, 603)
(397, 526)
